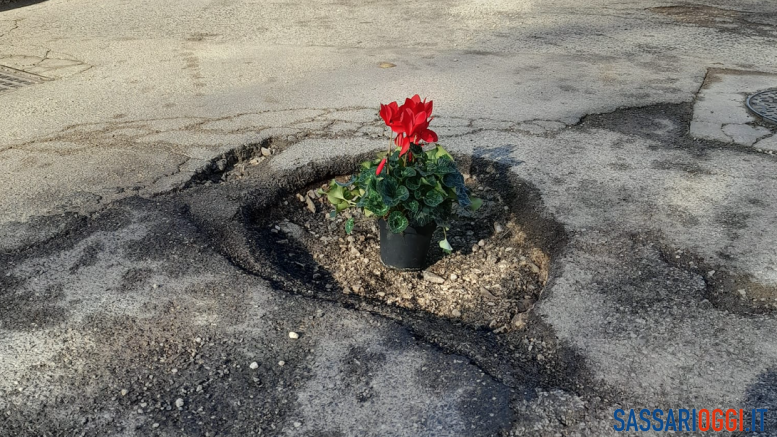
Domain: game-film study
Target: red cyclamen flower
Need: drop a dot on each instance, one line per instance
(410, 121)
(380, 166)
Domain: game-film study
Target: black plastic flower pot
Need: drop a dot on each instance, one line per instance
(406, 250)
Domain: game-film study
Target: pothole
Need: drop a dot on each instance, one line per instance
(493, 279)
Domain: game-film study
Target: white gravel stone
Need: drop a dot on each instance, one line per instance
(293, 335)
(433, 278)
(254, 365)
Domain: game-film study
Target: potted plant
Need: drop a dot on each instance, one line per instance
(412, 188)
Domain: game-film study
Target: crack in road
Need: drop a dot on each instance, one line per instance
(15, 26)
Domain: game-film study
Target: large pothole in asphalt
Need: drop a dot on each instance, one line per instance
(494, 277)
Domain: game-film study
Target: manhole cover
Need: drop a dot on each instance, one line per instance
(764, 104)
(11, 78)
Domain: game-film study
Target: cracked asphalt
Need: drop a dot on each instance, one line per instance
(133, 300)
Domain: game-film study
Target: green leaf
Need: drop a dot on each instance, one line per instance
(416, 150)
(476, 203)
(348, 183)
(349, 226)
(422, 217)
(397, 222)
(433, 198)
(335, 194)
(412, 206)
(463, 196)
(444, 166)
(438, 152)
(408, 172)
(376, 205)
(446, 247)
(453, 180)
(392, 191)
(412, 184)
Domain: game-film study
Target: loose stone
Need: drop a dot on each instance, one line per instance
(310, 205)
(179, 403)
(254, 365)
(293, 335)
(433, 278)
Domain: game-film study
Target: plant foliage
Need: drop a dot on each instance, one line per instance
(410, 185)
(414, 189)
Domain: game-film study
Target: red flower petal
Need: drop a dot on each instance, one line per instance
(385, 114)
(428, 135)
(380, 166)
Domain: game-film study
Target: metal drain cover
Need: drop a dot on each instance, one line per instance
(11, 78)
(764, 104)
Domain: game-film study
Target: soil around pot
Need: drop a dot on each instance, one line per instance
(493, 278)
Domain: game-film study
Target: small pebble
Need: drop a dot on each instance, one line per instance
(254, 365)
(179, 403)
(265, 151)
(433, 278)
(456, 313)
(454, 277)
(498, 228)
(293, 335)
(482, 243)
(124, 392)
(281, 363)
(310, 205)
(156, 425)
(297, 424)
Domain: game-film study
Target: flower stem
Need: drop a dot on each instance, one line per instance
(388, 167)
